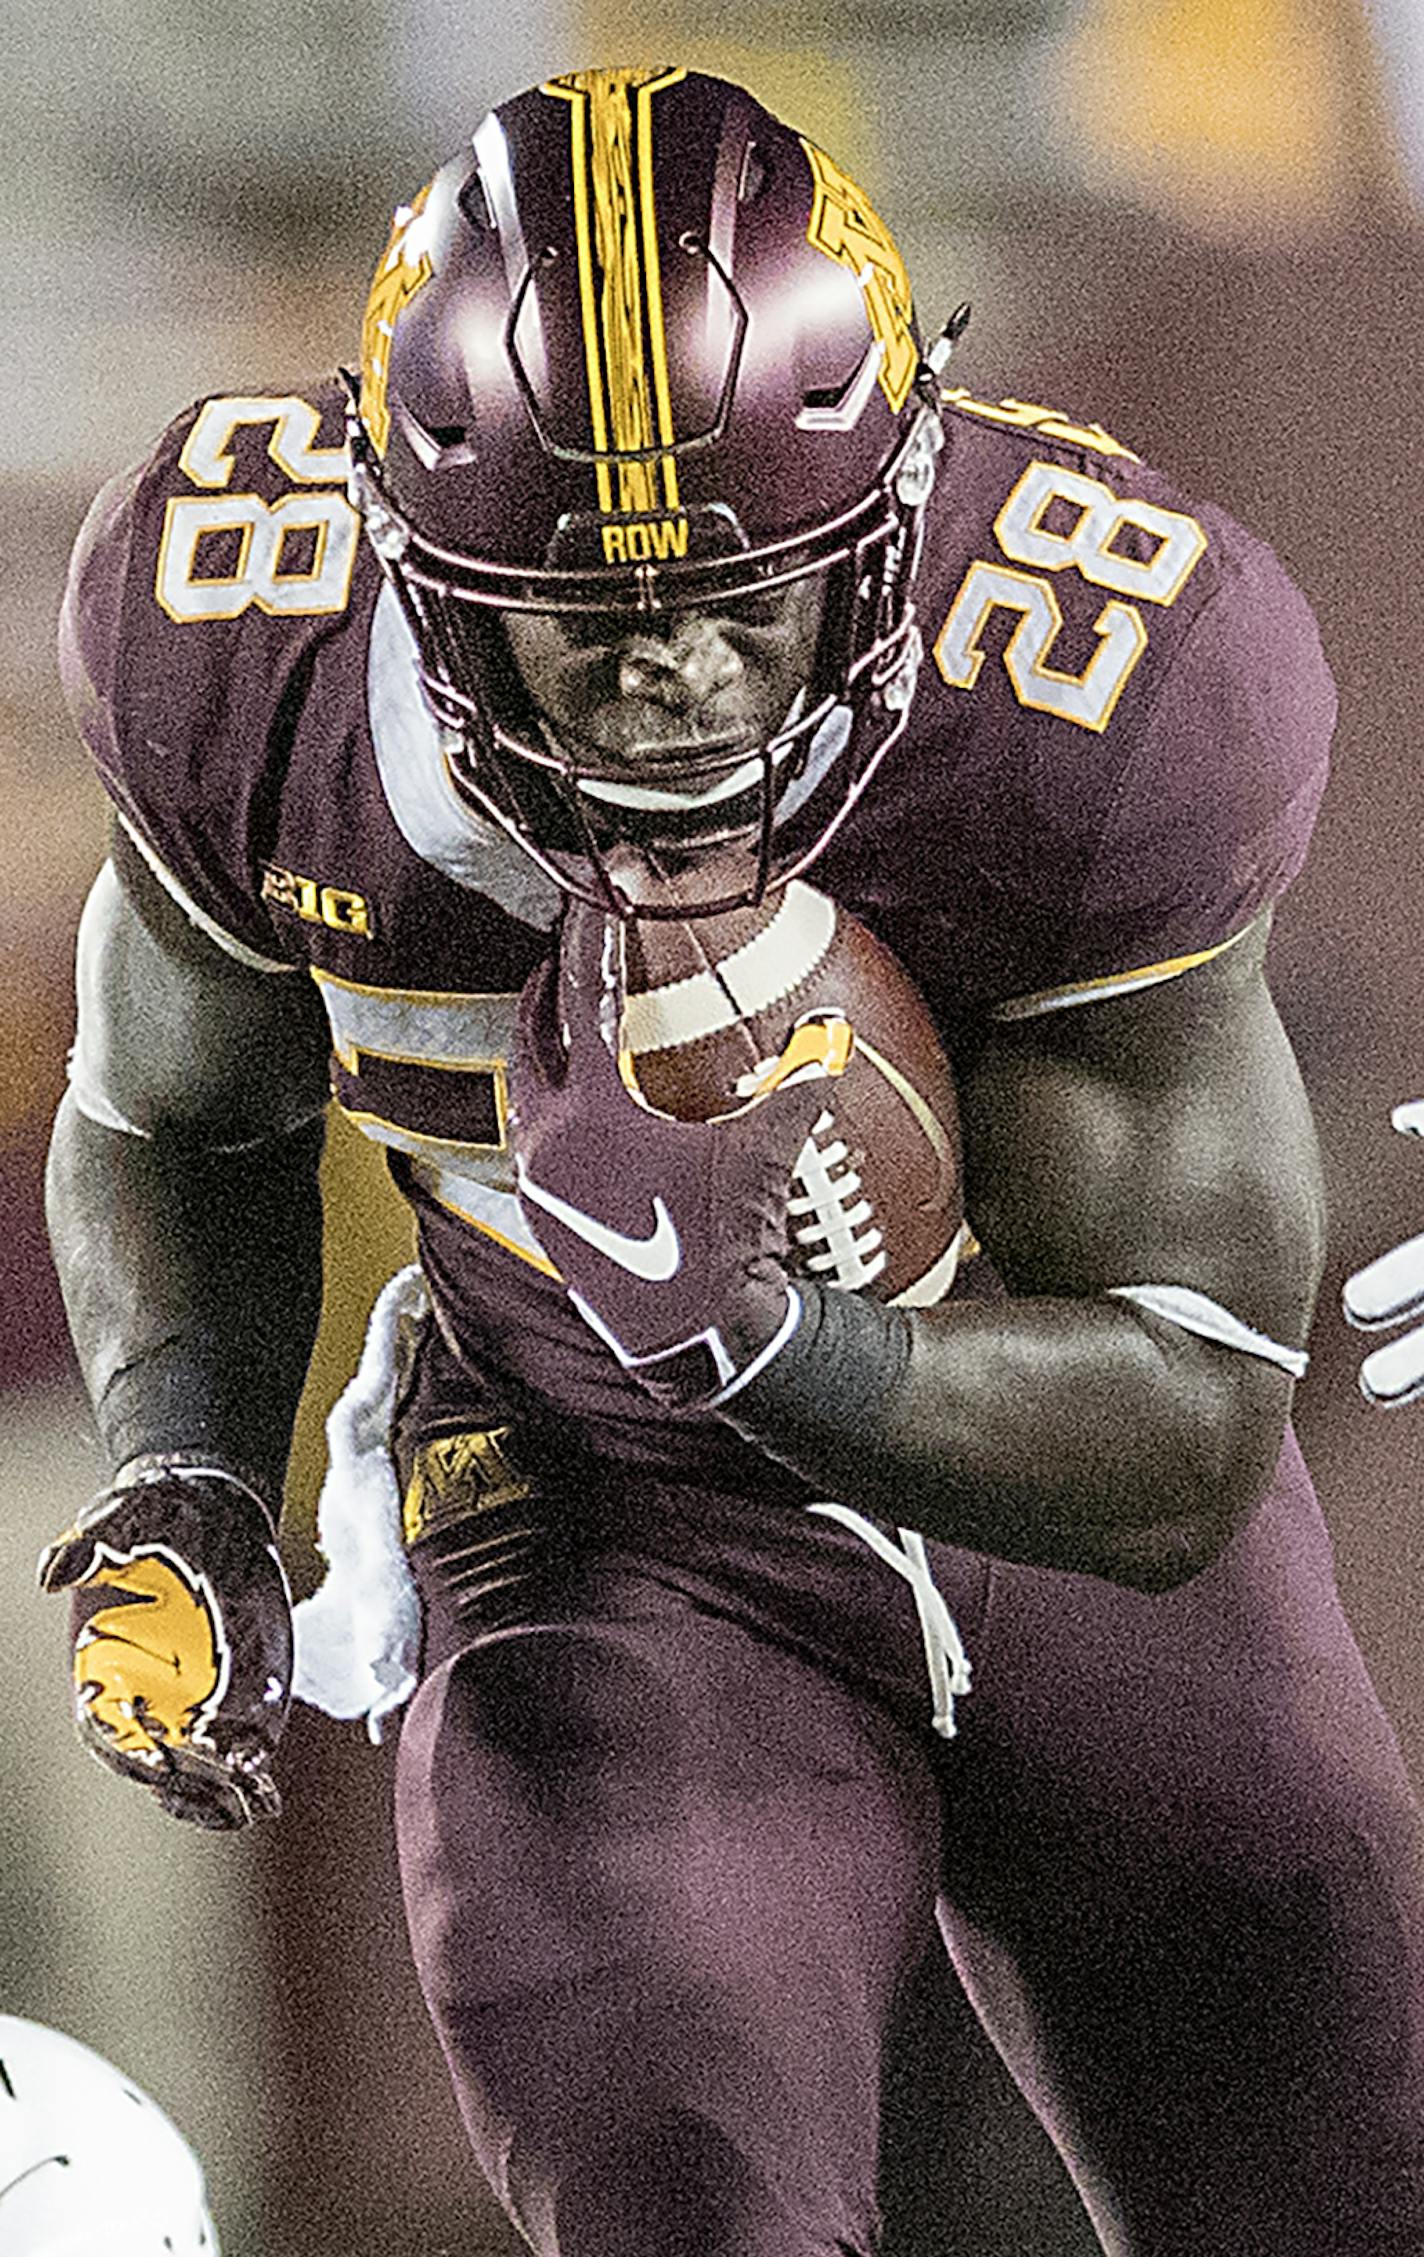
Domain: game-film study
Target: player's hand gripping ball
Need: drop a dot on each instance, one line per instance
(877, 1198)
(670, 1235)
(181, 1626)
(685, 1150)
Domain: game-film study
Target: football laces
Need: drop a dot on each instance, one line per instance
(831, 1219)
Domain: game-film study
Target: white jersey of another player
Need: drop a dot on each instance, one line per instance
(1390, 1291)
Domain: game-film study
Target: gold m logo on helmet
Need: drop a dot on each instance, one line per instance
(154, 1667)
(846, 227)
(403, 270)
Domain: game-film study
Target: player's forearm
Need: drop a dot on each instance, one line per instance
(192, 1283)
(1067, 1434)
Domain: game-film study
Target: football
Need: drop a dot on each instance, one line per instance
(877, 1197)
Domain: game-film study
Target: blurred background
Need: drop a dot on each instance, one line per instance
(1199, 222)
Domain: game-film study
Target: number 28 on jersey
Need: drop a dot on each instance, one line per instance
(1099, 520)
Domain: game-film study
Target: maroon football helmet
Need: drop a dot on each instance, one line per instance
(642, 350)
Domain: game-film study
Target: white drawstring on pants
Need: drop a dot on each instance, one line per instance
(945, 1657)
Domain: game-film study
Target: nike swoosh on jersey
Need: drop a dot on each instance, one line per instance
(655, 1258)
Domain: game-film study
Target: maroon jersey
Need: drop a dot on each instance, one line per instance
(1113, 763)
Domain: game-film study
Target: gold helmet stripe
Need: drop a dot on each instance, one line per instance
(579, 131)
(657, 327)
(620, 281)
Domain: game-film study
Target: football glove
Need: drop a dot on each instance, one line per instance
(181, 1625)
(1390, 1291)
(670, 1235)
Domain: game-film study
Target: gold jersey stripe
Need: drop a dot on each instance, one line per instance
(1111, 983)
(620, 281)
(433, 995)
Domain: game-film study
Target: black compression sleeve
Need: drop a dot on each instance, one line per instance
(192, 1280)
(1060, 1432)
(833, 1386)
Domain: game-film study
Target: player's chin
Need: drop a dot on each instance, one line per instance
(666, 855)
(677, 814)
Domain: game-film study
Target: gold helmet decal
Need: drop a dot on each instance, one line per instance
(404, 269)
(845, 225)
(154, 1667)
(620, 287)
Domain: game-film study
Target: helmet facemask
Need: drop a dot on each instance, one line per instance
(582, 814)
(651, 360)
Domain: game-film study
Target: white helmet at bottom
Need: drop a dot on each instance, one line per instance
(87, 2160)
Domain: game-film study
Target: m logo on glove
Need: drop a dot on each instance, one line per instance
(153, 1667)
(181, 1630)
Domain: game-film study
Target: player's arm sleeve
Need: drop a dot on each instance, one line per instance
(182, 1191)
(1158, 1140)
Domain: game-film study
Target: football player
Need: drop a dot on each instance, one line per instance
(87, 2160)
(649, 561)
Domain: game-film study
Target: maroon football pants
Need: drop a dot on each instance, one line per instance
(675, 1832)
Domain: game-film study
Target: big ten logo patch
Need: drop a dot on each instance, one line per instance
(336, 907)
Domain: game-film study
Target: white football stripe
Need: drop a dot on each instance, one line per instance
(754, 977)
(938, 1278)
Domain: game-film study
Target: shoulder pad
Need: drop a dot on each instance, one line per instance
(1120, 735)
(200, 586)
